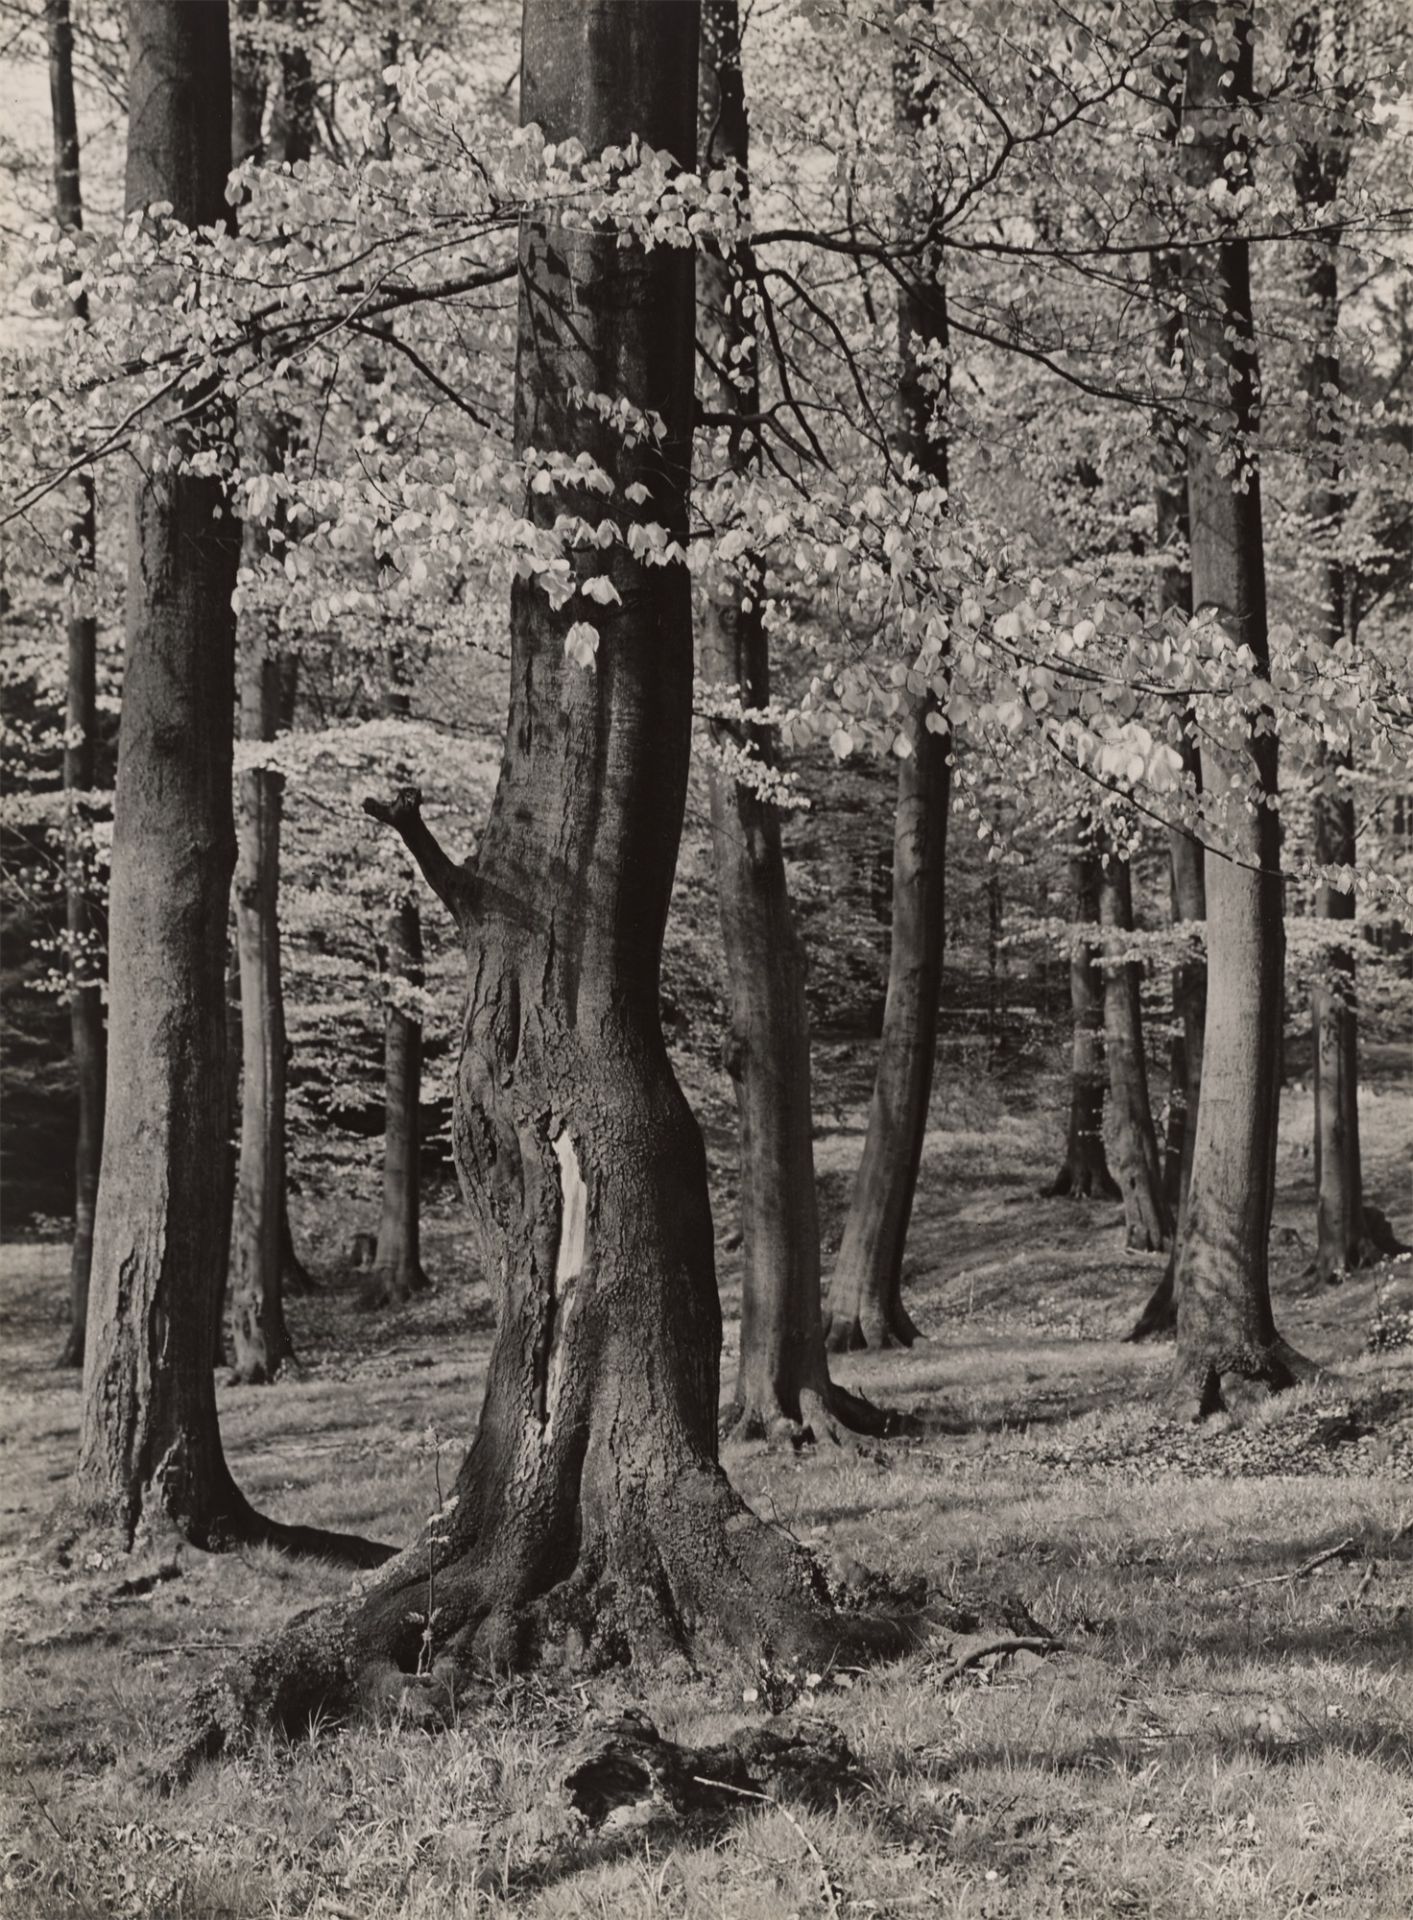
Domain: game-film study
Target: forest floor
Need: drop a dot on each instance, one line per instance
(1226, 1728)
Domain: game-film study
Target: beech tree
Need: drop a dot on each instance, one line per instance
(782, 1380)
(150, 1457)
(864, 1307)
(1084, 1172)
(80, 741)
(1131, 1110)
(262, 1254)
(590, 1513)
(1227, 1346)
(1349, 1235)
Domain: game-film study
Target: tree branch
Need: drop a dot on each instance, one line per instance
(452, 882)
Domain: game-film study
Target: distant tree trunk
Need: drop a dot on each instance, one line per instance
(1228, 1350)
(396, 1273)
(150, 1457)
(1189, 904)
(260, 1338)
(1185, 860)
(1130, 1109)
(782, 1381)
(865, 1307)
(81, 740)
(591, 1521)
(1349, 1235)
(1084, 1173)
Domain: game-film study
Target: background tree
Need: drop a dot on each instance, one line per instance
(80, 740)
(1084, 1173)
(150, 1457)
(864, 1307)
(1227, 1345)
(1130, 1109)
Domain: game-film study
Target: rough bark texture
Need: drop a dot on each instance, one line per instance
(150, 1457)
(590, 1520)
(865, 1307)
(1228, 1350)
(81, 722)
(1130, 1109)
(396, 1273)
(1084, 1173)
(782, 1381)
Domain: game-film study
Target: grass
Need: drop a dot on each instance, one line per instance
(1213, 1738)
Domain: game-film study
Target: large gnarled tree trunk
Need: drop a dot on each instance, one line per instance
(1228, 1350)
(782, 1381)
(150, 1458)
(80, 743)
(865, 1307)
(1130, 1109)
(590, 1515)
(1084, 1173)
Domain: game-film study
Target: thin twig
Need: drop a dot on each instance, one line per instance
(1299, 1573)
(1011, 1643)
(750, 1793)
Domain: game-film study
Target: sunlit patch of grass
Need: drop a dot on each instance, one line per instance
(1214, 1739)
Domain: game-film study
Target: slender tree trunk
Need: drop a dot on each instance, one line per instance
(865, 1307)
(1348, 1235)
(1084, 1173)
(782, 1381)
(259, 1337)
(591, 1520)
(1228, 1350)
(1131, 1111)
(1185, 859)
(81, 741)
(396, 1273)
(1189, 905)
(150, 1458)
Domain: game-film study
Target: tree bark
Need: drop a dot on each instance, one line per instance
(396, 1273)
(782, 1380)
(1347, 1235)
(1228, 1350)
(260, 1339)
(1186, 873)
(1189, 904)
(80, 743)
(1084, 1173)
(865, 1307)
(150, 1458)
(590, 1519)
(1131, 1111)
(263, 1244)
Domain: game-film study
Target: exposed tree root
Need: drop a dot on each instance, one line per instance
(1235, 1382)
(871, 1325)
(391, 1287)
(71, 1353)
(835, 1417)
(75, 1534)
(1082, 1183)
(1158, 1320)
(684, 1568)
(1376, 1243)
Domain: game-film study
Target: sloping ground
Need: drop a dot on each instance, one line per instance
(1229, 1727)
